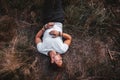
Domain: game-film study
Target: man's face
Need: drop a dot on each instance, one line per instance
(58, 60)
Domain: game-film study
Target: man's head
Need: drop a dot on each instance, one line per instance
(56, 58)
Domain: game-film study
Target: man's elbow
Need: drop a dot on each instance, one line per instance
(70, 37)
(35, 39)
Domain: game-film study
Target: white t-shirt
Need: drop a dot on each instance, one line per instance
(49, 43)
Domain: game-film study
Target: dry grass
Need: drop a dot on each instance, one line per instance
(17, 63)
(7, 28)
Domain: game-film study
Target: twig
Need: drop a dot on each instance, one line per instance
(14, 43)
(109, 53)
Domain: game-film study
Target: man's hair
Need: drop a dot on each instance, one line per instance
(55, 67)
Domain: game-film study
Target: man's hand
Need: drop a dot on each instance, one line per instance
(55, 33)
(49, 25)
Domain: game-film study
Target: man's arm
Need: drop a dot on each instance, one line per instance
(67, 37)
(38, 35)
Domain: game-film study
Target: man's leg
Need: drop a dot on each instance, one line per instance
(53, 11)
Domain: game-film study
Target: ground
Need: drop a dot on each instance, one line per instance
(93, 55)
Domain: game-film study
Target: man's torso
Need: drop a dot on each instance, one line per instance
(49, 43)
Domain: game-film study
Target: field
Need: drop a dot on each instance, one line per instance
(93, 55)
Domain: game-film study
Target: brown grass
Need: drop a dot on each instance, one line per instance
(7, 28)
